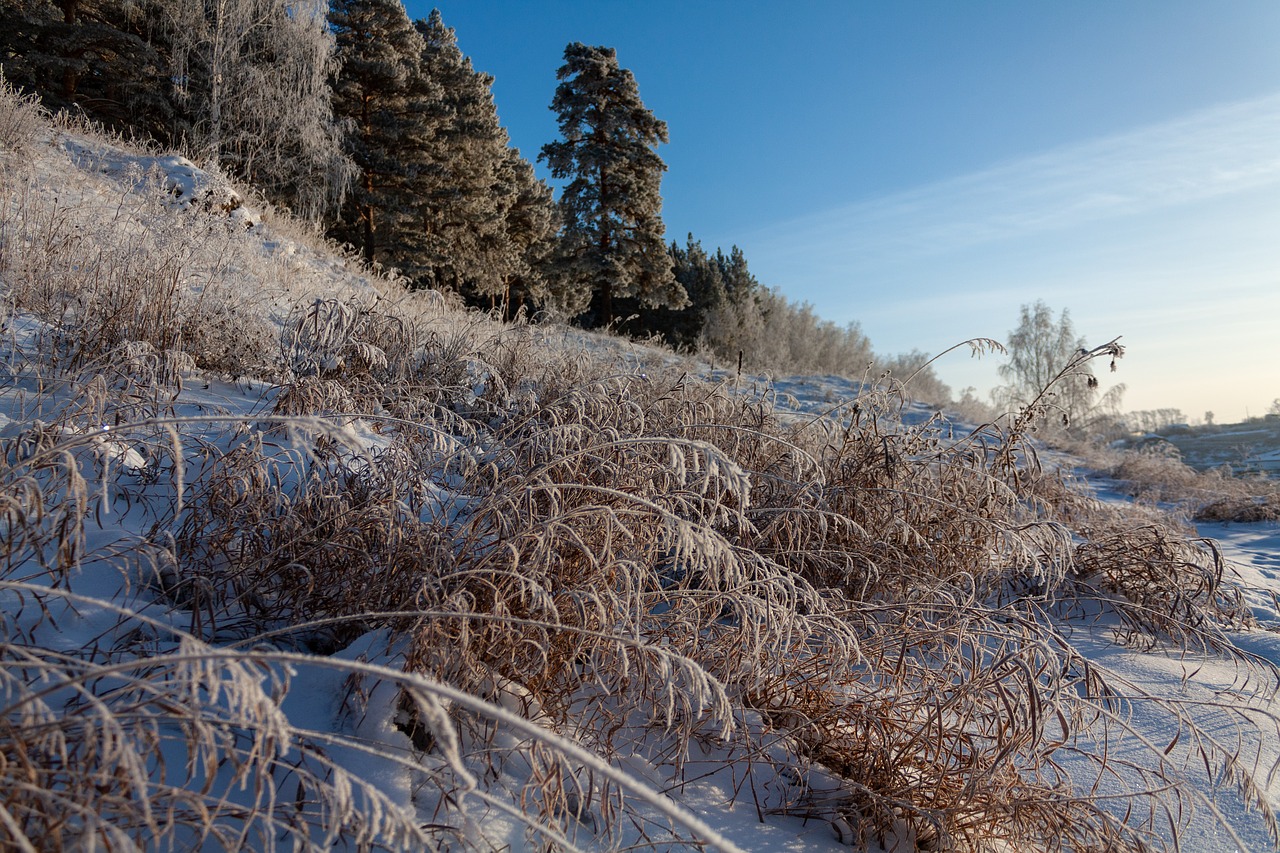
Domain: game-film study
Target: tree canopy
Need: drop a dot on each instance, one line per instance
(382, 93)
(480, 206)
(612, 232)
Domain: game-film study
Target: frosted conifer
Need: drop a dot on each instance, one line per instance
(531, 222)
(612, 239)
(382, 91)
(476, 204)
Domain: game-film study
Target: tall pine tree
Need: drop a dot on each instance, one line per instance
(477, 205)
(612, 233)
(380, 88)
(531, 222)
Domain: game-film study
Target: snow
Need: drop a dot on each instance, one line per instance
(183, 183)
(369, 746)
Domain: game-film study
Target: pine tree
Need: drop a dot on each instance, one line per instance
(463, 195)
(739, 282)
(443, 196)
(612, 239)
(381, 90)
(530, 221)
(94, 56)
(704, 282)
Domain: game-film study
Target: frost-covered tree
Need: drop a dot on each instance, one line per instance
(243, 83)
(1155, 420)
(914, 368)
(1039, 349)
(699, 275)
(773, 333)
(381, 91)
(477, 206)
(253, 76)
(612, 233)
(530, 221)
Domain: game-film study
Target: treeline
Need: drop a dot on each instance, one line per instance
(244, 84)
(379, 130)
(1155, 420)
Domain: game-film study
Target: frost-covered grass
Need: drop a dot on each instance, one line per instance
(21, 117)
(1157, 475)
(294, 559)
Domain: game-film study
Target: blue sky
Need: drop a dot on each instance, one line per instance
(924, 168)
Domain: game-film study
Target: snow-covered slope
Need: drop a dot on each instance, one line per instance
(226, 446)
(333, 732)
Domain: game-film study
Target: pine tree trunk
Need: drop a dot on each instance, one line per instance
(368, 233)
(366, 214)
(606, 292)
(69, 77)
(367, 207)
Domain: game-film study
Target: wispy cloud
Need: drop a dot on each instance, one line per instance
(1166, 235)
(1224, 150)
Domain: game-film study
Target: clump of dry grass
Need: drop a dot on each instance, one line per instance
(44, 498)
(1167, 586)
(1155, 475)
(1241, 509)
(124, 273)
(21, 117)
(89, 740)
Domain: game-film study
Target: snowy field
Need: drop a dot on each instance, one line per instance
(103, 609)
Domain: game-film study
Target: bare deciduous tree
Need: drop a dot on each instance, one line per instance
(254, 76)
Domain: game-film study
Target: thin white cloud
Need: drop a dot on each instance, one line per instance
(1165, 235)
(1215, 152)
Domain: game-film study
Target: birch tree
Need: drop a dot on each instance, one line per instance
(254, 77)
(1039, 350)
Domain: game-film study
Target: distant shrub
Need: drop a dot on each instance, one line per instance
(1240, 509)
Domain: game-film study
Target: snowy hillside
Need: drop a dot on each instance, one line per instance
(296, 559)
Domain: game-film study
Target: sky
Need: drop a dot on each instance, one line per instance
(926, 168)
